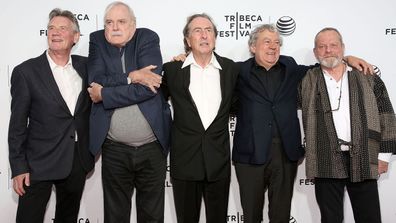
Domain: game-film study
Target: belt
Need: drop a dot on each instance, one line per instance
(132, 147)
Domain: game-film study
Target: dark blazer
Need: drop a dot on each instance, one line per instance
(197, 154)
(41, 133)
(257, 113)
(105, 68)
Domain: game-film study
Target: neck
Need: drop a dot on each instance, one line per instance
(202, 59)
(59, 57)
(336, 72)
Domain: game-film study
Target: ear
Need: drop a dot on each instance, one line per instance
(188, 42)
(76, 37)
(252, 49)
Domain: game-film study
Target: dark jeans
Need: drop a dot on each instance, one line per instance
(125, 168)
(277, 175)
(363, 195)
(32, 205)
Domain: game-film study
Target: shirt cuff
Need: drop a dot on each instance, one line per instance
(384, 157)
(129, 80)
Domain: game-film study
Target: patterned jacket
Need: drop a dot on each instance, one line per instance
(373, 127)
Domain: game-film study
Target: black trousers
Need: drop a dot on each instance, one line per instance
(363, 196)
(32, 205)
(277, 176)
(125, 168)
(188, 198)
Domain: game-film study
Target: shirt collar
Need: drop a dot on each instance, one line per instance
(53, 65)
(190, 60)
(347, 69)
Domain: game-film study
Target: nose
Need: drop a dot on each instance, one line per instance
(204, 34)
(115, 26)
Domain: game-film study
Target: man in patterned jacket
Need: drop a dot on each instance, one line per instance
(350, 131)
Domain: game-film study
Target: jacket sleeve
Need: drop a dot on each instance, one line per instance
(387, 117)
(18, 130)
(116, 91)
(97, 67)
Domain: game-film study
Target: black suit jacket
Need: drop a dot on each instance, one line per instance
(41, 133)
(196, 153)
(257, 113)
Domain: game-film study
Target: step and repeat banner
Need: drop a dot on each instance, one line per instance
(368, 28)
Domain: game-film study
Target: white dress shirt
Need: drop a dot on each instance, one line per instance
(205, 88)
(341, 117)
(68, 81)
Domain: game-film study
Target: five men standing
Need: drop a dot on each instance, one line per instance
(130, 120)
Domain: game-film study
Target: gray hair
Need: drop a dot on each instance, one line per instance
(329, 29)
(186, 29)
(117, 3)
(67, 14)
(254, 34)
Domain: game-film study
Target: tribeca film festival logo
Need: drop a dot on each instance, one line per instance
(240, 25)
(80, 220)
(238, 218)
(79, 17)
(390, 31)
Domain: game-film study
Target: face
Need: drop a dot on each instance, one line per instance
(201, 37)
(61, 35)
(266, 50)
(119, 26)
(329, 50)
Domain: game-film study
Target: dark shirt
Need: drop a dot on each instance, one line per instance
(270, 80)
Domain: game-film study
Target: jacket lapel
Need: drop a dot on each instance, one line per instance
(81, 70)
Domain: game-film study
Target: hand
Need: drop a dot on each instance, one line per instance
(382, 167)
(146, 77)
(95, 92)
(19, 181)
(181, 57)
(360, 64)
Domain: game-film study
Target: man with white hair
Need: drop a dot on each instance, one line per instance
(130, 119)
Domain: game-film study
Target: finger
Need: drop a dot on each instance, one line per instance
(27, 180)
(150, 67)
(152, 88)
(19, 189)
(371, 69)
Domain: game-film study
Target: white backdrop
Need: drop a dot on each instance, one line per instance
(368, 27)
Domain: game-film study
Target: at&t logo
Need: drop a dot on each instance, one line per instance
(286, 25)
(377, 71)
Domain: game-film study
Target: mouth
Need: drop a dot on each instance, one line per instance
(116, 33)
